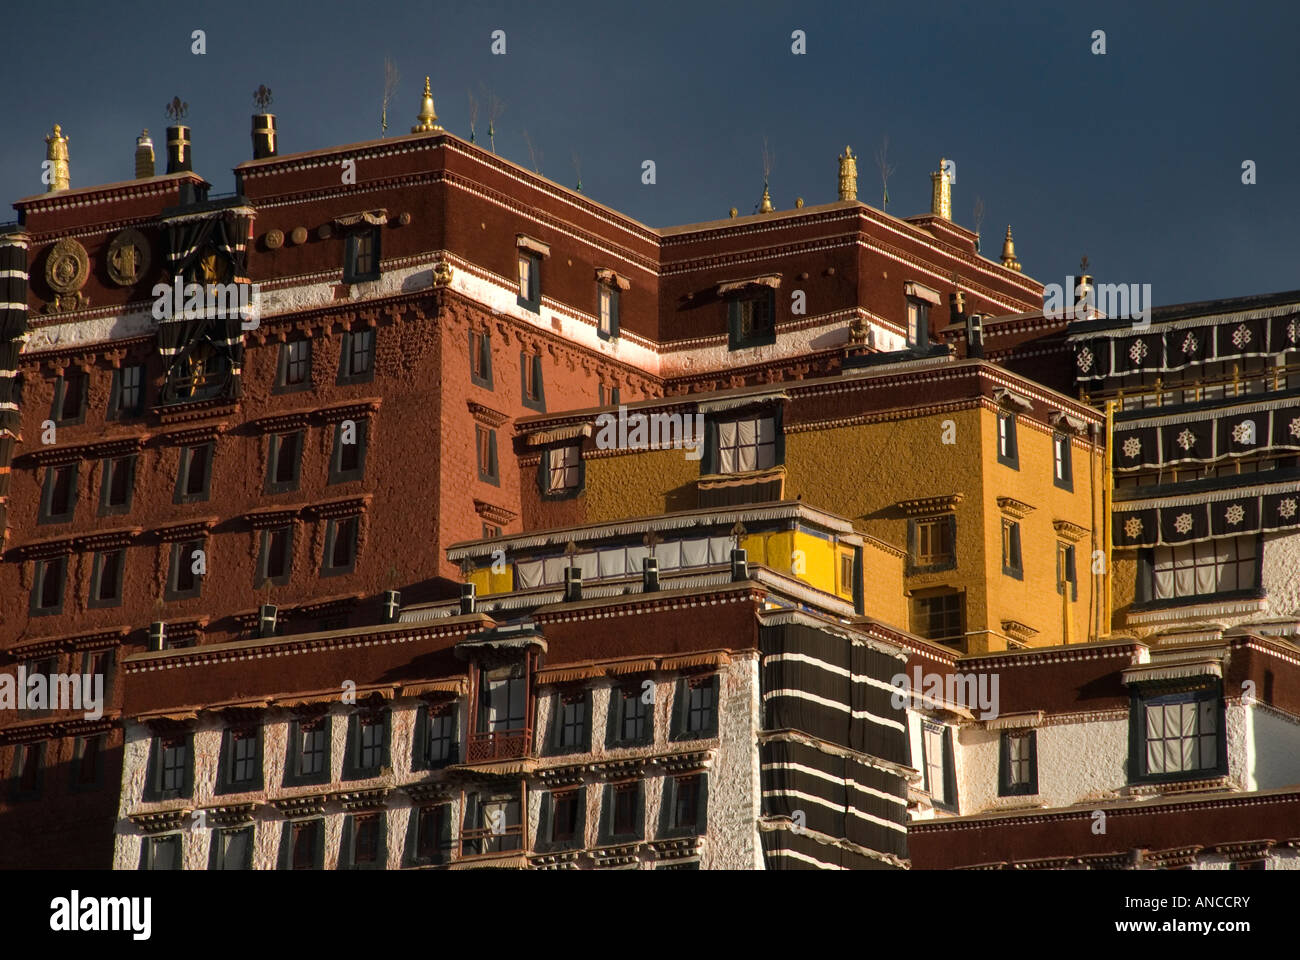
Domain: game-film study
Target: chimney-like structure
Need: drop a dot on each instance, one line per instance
(468, 602)
(975, 336)
(143, 155)
(392, 605)
(58, 176)
(649, 574)
(264, 139)
(848, 175)
(268, 613)
(1083, 298)
(428, 119)
(1009, 252)
(179, 158)
(956, 307)
(941, 197)
(572, 584)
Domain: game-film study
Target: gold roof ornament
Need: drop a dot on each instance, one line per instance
(766, 205)
(428, 118)
(144, 158)
(941, 198)
(732, 213)
(848, 175)
(1009, 252)
(56, 161)
(798, 203)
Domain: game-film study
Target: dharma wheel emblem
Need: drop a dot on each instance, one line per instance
(1132, 528)
(128, 257)
(67, 267)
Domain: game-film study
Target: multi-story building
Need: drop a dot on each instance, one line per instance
(290, 454)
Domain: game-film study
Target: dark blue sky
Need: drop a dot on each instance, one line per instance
(1132, 158)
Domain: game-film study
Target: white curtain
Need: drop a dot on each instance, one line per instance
(695, 552)
(529, 573)
(613, 563)
(719, 549)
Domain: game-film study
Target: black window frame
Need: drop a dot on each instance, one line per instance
(118, 409)
(36, 607)
(288, 859)
(492, 473)
(533, 302)
(88, 750)
(57, 409)
(182, 552)
(435, 723)
(570, 722)
(149, 851)
(1198, 692)
(286, 361)
(1012, 457)
(185, 468)
(229, 760)
(736, 338)
(352, 273)
(264, 556)
(428, 835)
(154, 788)
(335, 524)
(920, 608)
(555, 803)
(95, 600)
(348, 354)
(615, 735)
(274, 449)
(108, 472)
(361, 439)
(612, 290)
(354, 825)
(914, 525)
(545, 472)
(1071, 572)
(32, 752)
(319, 727)
(480, 347)
(948, 764)
(218, 855)
(1061, 441)
(357, 750)
(52, 474)
(687, 711)
(1006, 786)
(921, 339)
(1013, 559)
(670, 824)
(609, 832)
(532, 361)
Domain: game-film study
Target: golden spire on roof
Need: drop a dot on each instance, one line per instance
(428, 118)
(848, 175)
(766, 205)
(1009, 252)
(941, 198)
(56, 161)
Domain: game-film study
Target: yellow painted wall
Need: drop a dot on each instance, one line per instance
(882, 595)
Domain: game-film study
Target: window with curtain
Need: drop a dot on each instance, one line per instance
(1208, 567)
(1180, 734)
(746, 444)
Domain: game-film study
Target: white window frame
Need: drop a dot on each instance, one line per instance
(736, 455)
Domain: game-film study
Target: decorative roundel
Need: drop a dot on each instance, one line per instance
(1183, 522)
(67, 266)
(128, 257)
(1234, 514)
(1132, 528)
(404, 218)
(299, 235)
(1085, 360)
(274, 239)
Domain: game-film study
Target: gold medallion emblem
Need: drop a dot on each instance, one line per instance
(128, 257)
(67, 267)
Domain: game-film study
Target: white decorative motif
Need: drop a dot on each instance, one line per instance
(1190, 343)
(1293, 331)
(1138, 351)
(1244, 432)
(1295, 426)
(1186, 439)
(1132, 528)
(1234, 514)
(1132, 447)
(1287, 507)
(1085, 359)
(1241, 336)
(1183, 522)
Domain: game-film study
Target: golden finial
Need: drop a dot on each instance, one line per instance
(848, 175)
(1009, 252)
(941, 199)
(798, 203)
(732, 213)
(766, 205)
(56, 159)
(428, 118)
(143, 155)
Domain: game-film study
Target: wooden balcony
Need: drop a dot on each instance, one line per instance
(499, 745)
